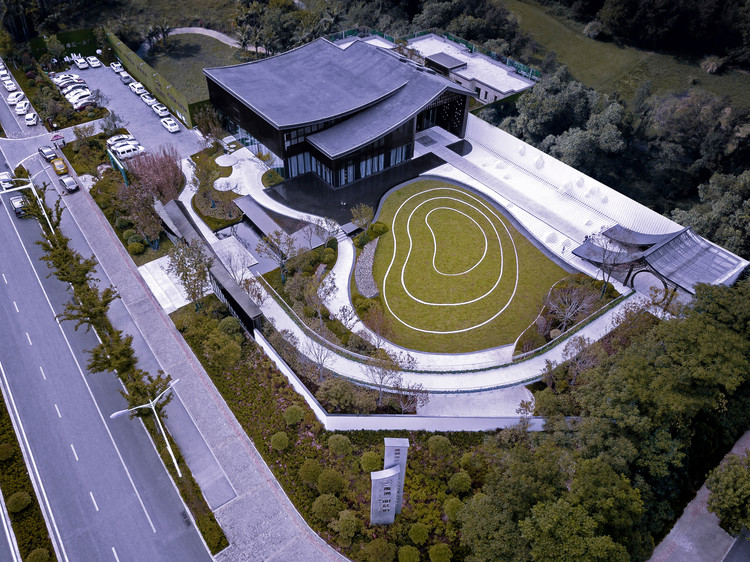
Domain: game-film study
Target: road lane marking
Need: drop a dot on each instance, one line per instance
(115, 553)
(43, 375)
(75, 454)
(15, 306)
(59, 415)
(28, 337)
(93, 500)
(4, 279)
(91, 395)
(122, 384)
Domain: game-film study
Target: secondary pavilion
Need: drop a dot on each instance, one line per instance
(342, 114)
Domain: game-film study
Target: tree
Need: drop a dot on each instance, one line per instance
(208, 122)
(142, 387)
(320, 355)
(380, 324)
(410, 395)
(346, 527)
(114, 354)
(138, 200)
(382, 371)
(729, 484)
(159, 172)
(55, 47)
(362, 215)
(278, 247)
(89, 307)
(569, 303)
(191, 265)
(255, 290)
(325, 229)
(221, 352)
(111, 122)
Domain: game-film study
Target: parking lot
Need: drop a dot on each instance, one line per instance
(136, 116)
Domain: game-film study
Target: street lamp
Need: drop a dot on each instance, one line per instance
(152, 405)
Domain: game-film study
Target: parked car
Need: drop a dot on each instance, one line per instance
(15, 97)
(111, 141)
(93, 62)
(68, 184)
(160, 109)
(68, 82)
(31, 119)
(116, 66)
(59, 165)
(84, 103)
(6, 180)
(63, 77)
(170, 125)
(148, 99)
(81, 64)
(48, 153)
(10, 85)
(127, 150)
(72, 88)
(125, 77)
(17, 203)
(137, 88)
(125, 144)
(22, 107)
(4, 74)
(78, 95)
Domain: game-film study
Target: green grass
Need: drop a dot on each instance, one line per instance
(467, 272)
(607, 67)
(223, 213)
(184, 62)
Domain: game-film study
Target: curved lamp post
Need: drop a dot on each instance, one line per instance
(152, 405)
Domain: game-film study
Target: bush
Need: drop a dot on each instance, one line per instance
(460, 483)
(128, 233)
(361, 240)
(230, 326)
(333, 244)
(380, 550)
(326, 507)
(408, 553)
(38, 555)
(308, 311)
(20, 172)
(329, 256)
(346, 527)
(7, 450)
(330, 481)
(293, 415)
(136, 248)
(451, 507)
(371, 461)
(280, 441)
(440, 552)
(124, 222)
(419, 533)
(135, 239)
(439, 446)
(18, 502)
(309, 472)
(339, 445)
(376, 229)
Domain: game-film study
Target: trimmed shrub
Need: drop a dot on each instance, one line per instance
(136, 248)
(460, 483)
(346, 527)
(339, 445)
(408, 553)
(6, 451)
(329, 256)
(419, 533)
(309, 472)
(380, 550)
(326, 507)
(230, 325)
(128, 233)
(123, 222)
(376, 229)
(293, 415)
(330, 481)
(361, 240)
(451, 507)
(440, 552)
(135, 239)
(38, 555)
(18, 502)
(333, 244)
(280, 441)
(439, 446)
(371, 461)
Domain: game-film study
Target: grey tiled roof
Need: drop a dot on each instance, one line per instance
(446, 61)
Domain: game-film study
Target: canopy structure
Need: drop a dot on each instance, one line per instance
(679, 259)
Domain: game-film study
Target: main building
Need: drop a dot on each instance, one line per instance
(342, 114)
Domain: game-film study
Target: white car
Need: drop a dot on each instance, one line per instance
(81, 104)
(15, 97)
(63, 77)
(9, 85)
(127, 150)
(72, 88)
(93, 62)
(78, 95)
(170, 125)
(6, 180)
(148, 99)
(137, 88)
(111, 141)
(22, 107)
(117, 67)
(160, 109)
(81, 64)
(31, 119)
(4, 74)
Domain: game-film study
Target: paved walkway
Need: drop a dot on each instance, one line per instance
(218, 35)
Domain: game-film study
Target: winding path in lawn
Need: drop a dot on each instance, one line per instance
(218, 35)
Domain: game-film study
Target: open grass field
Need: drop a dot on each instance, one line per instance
(607, 67)
(453, 273)
(183, 64)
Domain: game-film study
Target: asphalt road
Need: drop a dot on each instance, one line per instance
(108, 493)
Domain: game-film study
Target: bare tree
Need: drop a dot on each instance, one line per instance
(160, 172)
(347, 316)
(569, 303)
(325, 228)
(609, 252)
(380, 324)
(382, 371)
(279, 247)
(237, 264)
(320, 356)
(362, 215)
(410, 395)
(309, 235)
(255, 290)
(138, 200)
(318, 291)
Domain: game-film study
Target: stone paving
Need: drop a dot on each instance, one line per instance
(363, 270)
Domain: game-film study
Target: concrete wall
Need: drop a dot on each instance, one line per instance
(344, 422)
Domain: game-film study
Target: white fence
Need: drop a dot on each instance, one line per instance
(346, 422)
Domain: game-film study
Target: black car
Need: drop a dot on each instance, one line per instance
(47, 153)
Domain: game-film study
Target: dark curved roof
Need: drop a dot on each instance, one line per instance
(317, 82)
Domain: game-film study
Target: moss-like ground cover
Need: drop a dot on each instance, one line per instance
(461, 278)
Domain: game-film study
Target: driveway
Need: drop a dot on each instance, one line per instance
(137, 117)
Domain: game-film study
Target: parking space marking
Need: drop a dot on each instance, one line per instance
(15, 306)
(43, 375)
(59, 415)
(93, 500)
(115, 553)
(28, 337)
(4, 279)
(76, 456)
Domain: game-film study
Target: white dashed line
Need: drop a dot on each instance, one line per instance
(115, 553)
(28, 337)
(72, 448)
(93, 500)
(59, 415)
(15, 306)
(42, 371)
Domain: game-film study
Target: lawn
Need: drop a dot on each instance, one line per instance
(184, 62)
(607, 67)
(460, 278)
